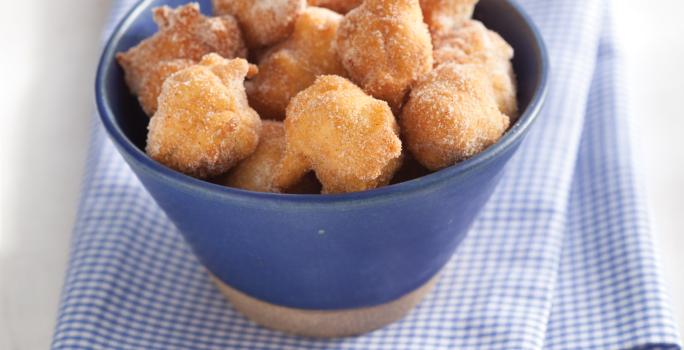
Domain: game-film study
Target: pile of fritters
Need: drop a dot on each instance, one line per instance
(336, 88)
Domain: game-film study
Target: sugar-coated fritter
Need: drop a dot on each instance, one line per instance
(256, 172)
(339, 6)
(184, 33)
(294, 64)
(441, 15)
(349, 139)
(385, 46)
(204, 125)
(152, 82)
(451, 115)
(473, 43)
(263, 22)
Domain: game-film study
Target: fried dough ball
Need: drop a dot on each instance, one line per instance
(473, 43)
(184, 33)
(441, 15)
(349, 139)
(151, 84)
(385, 47)
(203, 125)
(256, 172)
(339, 6)
(263, 22)
(451, 115)
(294, 64)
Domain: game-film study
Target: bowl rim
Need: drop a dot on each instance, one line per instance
(180, 180)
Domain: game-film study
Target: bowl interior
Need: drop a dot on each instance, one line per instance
(127, 123)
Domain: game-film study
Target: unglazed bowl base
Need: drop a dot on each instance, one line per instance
(323, 323)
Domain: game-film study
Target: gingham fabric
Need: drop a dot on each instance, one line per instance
(560, 258)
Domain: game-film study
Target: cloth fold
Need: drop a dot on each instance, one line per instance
(560, 258)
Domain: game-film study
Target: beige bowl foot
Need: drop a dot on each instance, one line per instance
(323, 323)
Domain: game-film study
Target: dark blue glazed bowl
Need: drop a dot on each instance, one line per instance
(325, 252)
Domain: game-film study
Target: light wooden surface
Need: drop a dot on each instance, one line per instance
(49, 52)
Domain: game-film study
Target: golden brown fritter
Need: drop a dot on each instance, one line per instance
(473, 43)
(385, 47)
(349, 139)
(184, 33)
(451, 115)
(339, 6)
(204, 125)
(447, 78)
(152, 82)
(263, 22)
(256, 172)
(294, 64)
(441, 15)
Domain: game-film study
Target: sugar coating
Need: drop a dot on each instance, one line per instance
(263, 22)
(184, 33)
(442, 15)
(385, 47)
(451, 115)
(473, 43)
(349, 139)
(339, 6)
(256, 172)
(151, 84)
(204, 125)
(294, 64)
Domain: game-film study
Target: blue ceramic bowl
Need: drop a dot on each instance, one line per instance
(324, 252)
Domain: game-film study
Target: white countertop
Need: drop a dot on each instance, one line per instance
(50, 49)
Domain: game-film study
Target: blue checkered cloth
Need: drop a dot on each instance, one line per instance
(561, 257)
